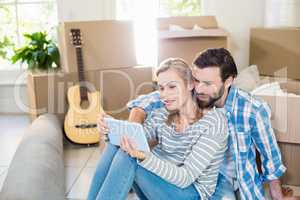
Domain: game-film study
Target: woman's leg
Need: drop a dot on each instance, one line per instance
(224, 189)
(139, 192)
(119, 178)
(102, 170)
(154, 187)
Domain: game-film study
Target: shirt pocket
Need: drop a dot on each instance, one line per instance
(243, 143)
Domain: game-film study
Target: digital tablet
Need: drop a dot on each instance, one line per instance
(134, 131)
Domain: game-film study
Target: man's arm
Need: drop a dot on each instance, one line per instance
(277, 193)
(137, 115)
(147, 103)
(275, 189)
(266, 144)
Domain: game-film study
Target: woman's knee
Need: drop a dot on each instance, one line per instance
(124, 157)
(109, 150)
(111, 147)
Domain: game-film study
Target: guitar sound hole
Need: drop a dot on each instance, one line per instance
(84, 104)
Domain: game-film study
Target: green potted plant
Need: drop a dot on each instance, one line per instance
(6, 46)
(40, 53)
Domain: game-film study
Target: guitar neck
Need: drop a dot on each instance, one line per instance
(81, 77)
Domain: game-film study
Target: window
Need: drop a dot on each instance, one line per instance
(165, 8)
(179, 8)
(24, 16)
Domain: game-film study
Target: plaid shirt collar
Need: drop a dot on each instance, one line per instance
(230, 101)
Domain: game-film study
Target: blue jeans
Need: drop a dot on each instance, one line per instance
(117, 172)
(224, 189)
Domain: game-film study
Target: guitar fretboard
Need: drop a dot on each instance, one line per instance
(81, 77)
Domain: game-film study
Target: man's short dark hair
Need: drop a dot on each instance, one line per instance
(217, 57)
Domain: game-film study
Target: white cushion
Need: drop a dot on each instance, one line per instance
(248, 78)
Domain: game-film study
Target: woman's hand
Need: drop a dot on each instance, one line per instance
(102, 126)
(130, 148)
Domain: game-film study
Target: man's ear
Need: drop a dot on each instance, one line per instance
(228, 82)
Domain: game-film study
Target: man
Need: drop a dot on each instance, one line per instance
(248, 123)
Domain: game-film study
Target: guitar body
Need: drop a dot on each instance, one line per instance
(80, 123)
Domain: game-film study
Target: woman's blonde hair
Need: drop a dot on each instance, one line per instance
(184, 71)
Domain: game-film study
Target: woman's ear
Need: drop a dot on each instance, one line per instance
(190, 86)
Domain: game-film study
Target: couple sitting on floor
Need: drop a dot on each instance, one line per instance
(204, 133)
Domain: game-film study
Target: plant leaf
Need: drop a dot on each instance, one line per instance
(54, 54)
(39, 53)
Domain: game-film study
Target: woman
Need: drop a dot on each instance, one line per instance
(185, 162)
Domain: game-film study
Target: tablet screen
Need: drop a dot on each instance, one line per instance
(134, 131)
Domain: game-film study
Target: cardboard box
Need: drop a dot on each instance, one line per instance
(106, 44)
(285, 112)
(276, 51)
(187, 43)
(188, 22)
(47, 92)
(290, 155)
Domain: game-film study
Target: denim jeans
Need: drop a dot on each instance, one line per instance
(224, 190)
(117, 172)
(150, 186)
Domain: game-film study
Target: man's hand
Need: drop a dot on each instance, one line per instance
(137, 115)
(291, 198)
(276, 191)
(129, 147)
(288, 194)
(102, 126)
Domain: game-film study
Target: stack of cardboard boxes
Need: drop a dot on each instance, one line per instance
(276, 52)
(110, 61)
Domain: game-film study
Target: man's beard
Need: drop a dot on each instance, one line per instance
(211, 100)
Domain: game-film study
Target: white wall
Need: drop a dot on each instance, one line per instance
(9, 102)
(79, 10)
(282, 13)
(237, 17)
(10, 80)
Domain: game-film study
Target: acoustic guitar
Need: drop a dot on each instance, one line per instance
(84, 105)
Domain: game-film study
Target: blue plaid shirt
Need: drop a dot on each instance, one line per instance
(249, 128)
